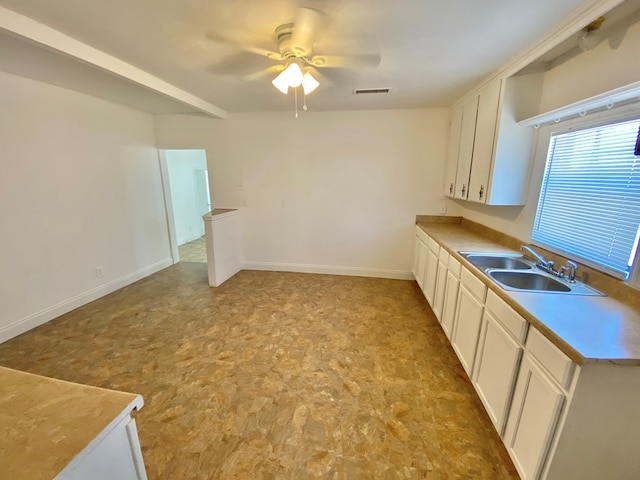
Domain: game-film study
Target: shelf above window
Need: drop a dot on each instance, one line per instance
(614, 98)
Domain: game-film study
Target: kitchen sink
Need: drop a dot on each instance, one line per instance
(534, 281)
(528, 281)
(504, 261)
(513, 271)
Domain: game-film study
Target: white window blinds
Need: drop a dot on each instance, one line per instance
(589, 204)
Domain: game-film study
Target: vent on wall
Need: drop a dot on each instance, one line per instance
(364, 91)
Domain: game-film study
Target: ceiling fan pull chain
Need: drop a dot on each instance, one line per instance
(295, 95)
(304, 101)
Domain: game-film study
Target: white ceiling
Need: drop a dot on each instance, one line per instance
(432, 51)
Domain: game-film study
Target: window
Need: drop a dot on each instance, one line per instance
(589, 206)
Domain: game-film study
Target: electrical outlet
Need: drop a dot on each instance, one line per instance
(99, 272)
(245, 203)
(443, 208)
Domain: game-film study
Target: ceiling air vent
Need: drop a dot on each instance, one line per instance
(365, 91)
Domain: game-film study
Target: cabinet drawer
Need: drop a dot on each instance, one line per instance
(433, 245)
(454, 266)
(422, 235)
(444, 256)
(473, 284)
(507, 316)
(557, 363)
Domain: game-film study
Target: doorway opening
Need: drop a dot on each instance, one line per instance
(187, 199)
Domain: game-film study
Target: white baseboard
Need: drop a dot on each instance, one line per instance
(27, 323)
(182, 241)
(329, 269)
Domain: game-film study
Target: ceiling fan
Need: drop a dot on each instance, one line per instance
(297, 63)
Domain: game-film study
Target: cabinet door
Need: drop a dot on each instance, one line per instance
(450, 304)
(467, 328)
(114, 455)
(416, 256)
(422, 262)
(487, 118)
(430, 276)
(441, 284)
(467, 136)
(496, 369)
(532, 418)
(452, 154)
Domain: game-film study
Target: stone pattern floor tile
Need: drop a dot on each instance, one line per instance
(277, 376)
(195, 251)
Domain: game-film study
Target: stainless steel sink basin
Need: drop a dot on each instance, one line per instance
(528, 281)
(534, 281)
(503, 261)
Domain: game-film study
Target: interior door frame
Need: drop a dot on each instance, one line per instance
(168, 206)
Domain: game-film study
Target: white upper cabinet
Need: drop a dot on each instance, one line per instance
(493, 152)
(488, 103)
(452, 153)
(465, 151)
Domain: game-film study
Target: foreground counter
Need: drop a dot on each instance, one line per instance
(63, 430)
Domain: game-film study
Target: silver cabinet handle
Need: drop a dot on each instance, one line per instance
(464, 189)
(481, 192)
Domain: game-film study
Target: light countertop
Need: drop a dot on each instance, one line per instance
(585, 328)
(46, 422)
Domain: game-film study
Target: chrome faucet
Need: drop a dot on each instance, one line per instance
(542, 263)
(571, 268)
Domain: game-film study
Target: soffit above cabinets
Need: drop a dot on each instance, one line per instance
(613, 29)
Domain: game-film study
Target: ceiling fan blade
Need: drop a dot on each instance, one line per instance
(305, 30)
(263, 52)
(356, 60)
(320, 77)
(238, 63)
(263, 73)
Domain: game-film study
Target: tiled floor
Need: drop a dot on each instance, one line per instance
(277, 376)
(195, 251)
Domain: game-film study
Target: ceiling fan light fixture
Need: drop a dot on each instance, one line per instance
(281, 83)
(290, 77)
(309, 84)
(294, 75)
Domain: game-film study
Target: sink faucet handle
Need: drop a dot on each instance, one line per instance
(571, 266)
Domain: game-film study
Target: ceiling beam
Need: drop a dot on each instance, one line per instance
(36, 32)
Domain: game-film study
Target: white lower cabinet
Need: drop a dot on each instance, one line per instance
(441, 284)
(415, 258)
(558, 420)
(499, 351)
(451, 297)
(537, 401)
(115, 454)
(420, 258)
(468, 319)
(431, 274)
(496, 369)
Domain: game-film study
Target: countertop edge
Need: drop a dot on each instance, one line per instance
(63, 418)
(540, 325)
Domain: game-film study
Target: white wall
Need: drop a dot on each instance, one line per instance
(80, 188)
(593, 72)
(590, 73)
(211, 135)
(187, 212)
(351, 182)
